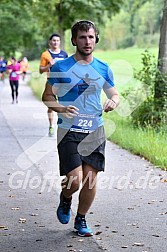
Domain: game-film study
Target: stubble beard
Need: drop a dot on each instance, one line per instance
(84, 53)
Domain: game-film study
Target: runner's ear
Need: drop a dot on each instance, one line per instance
(72, 41)
(97, 38)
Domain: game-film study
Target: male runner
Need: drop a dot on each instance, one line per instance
(78, 82)
(48, 58)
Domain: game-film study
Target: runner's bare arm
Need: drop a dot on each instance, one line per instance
(51, 102)
(113, 99)
(43, 69)
(45, 65)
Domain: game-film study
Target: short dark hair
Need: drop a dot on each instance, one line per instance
(82, 25)
(54, 35)
(13, 58)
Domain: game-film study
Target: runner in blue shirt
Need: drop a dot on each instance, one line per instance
(3, 65)
(77, 83)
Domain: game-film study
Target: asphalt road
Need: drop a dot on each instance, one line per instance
(130, 209)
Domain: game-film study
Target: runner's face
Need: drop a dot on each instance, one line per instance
(12, 61)
(54, 43)
(85, 42)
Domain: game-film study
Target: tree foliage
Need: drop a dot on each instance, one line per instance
(17, 26)
(64, 13)
(136, 25)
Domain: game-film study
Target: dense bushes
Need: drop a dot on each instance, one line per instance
(147, 113)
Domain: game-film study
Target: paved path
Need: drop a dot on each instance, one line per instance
(129, 212)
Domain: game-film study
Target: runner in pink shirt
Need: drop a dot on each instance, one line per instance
(14, 70)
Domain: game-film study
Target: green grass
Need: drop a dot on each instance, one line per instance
(37, 82)
(131, 55)
(146, 143)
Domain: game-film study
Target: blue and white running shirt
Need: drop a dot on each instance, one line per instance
(80, 85)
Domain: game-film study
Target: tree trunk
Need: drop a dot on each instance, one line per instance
(58, 13)
(163, 42)
(160, 96)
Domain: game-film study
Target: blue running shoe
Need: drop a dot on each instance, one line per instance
(64, 211)
(81, 228)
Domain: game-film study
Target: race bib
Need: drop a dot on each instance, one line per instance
(84, 123)
(3, 64)
(13, 74)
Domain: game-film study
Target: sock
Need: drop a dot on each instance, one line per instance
(68, 200)
(80, 216)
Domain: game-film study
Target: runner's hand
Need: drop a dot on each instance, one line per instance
(70, 111)
(109, 105)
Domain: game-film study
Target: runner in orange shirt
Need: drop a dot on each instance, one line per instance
(24, 67)
(48, 58)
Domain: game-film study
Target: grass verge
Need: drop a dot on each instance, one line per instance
(147, 143)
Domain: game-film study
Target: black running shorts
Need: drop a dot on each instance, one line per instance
(75, 148)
